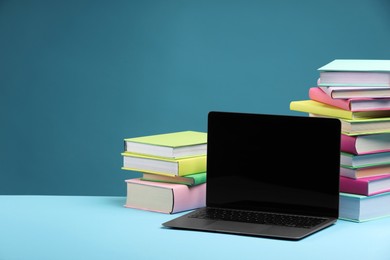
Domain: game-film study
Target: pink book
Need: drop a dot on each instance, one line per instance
(365, 144)
(365, 186)
(351, 104)
(164, 197)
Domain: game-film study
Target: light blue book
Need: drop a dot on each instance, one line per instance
(355, 65)
(355, 73)
(359, 208)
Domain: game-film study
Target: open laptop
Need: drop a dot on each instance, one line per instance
(257, 164)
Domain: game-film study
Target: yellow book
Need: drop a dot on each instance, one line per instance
(314, 107)
(173, 145)
(163, 165)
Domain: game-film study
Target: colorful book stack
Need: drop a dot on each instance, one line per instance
(357, 92)
(173, 167)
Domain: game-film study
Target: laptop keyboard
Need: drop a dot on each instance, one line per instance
(258, 217)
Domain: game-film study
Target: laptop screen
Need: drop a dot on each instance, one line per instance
(273, 163)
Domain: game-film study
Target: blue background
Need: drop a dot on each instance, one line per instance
(77, 77)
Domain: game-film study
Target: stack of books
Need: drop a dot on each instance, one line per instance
(173, 171)
(357, 92)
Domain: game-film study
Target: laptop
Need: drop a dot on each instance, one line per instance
(271, 176)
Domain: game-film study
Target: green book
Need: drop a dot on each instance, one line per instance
(190, 180)
(171, 145)
(363, 126)
(364, 160)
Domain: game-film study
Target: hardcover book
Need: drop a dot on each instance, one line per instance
(162, 197)
(173, 145)
(191, 179)
(319, 108)
(363, 126)
(364, 160)
(361, 172)
(367, 186)
(357, 92)
(355, 72)
(352, 104)
(162, 165)
(365, 144)
(360, 208)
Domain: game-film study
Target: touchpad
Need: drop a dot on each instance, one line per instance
(238, 227)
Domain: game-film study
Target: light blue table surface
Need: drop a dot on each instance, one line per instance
(76, 227)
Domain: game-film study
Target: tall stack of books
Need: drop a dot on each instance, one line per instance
(357, 92)
(173, 168)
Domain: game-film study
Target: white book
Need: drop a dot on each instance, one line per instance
(356, 92)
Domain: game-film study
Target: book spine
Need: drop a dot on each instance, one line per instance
(327, 90)
(199, 178)
(317, 94)
(348, 144)
(192, 165)
(188, 197)
(348, 172)
(320, 109)
(353, 186)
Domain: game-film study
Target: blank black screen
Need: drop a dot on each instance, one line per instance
(273, 162)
